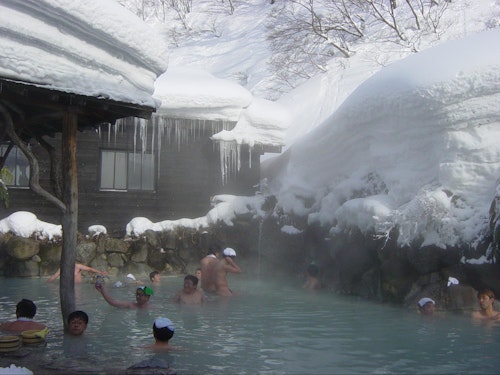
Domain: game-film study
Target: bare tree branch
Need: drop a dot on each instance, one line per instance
(55, 167)
(34, 168)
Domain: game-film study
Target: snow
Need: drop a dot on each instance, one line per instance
(290, 229)
(483, 259)
(190, 93)
(14, 370)
(96, 230)
(383, 140)
(226, 209)
(414, 145)
(26, 224)
(93, 48)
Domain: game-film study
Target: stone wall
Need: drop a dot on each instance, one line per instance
(170, 253)
(350, 263)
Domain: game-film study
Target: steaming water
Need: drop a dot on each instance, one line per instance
(273, 328)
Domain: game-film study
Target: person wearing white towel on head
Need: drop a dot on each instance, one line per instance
(222, 268)
(426, 306)
(163, 331)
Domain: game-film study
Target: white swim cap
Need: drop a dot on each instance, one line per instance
(228, 252)
(164, 322)
(425, 300)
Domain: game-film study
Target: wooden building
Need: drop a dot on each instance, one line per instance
(162, 169)
(167, 167)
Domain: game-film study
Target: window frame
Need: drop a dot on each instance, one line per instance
(17, 154)
(139, 184)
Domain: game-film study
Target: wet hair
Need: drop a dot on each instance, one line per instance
(486, 292)
(162, 334)
(26, 308)
(153, 274)
(312, 270)
(78, 314)
(193, 278)
(214, 249)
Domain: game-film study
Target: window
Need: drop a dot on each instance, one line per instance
(123, 170)
(16, 170)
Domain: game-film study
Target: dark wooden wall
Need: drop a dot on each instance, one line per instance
(190, 175)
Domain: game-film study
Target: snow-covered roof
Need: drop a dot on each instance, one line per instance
(196, 94)
(93, 48)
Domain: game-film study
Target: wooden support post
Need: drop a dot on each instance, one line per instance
(70, 216)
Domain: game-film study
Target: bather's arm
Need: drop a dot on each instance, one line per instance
(90, 269)
(231, 266)
(54, 276)
(112, 301)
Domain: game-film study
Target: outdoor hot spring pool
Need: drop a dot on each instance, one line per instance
(273, 328)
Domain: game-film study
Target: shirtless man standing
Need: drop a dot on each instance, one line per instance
(223, 266)
(208, 269)
(486, 299)
(78, 273)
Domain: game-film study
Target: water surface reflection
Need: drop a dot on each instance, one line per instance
(274, 327)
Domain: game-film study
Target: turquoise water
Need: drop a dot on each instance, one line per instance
(273, 328)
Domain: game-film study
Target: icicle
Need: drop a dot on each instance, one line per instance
(222, 157)
(153, 133)
(135, 141)
(250, 148)
(109, 133)
(238, 159)
(143, 134)
(160, 129)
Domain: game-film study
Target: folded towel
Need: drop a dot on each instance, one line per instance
(33, 333)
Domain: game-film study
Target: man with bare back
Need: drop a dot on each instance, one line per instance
(208, 269)
(223, 266)
(78, 273)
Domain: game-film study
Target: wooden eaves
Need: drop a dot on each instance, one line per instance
(29, 110)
